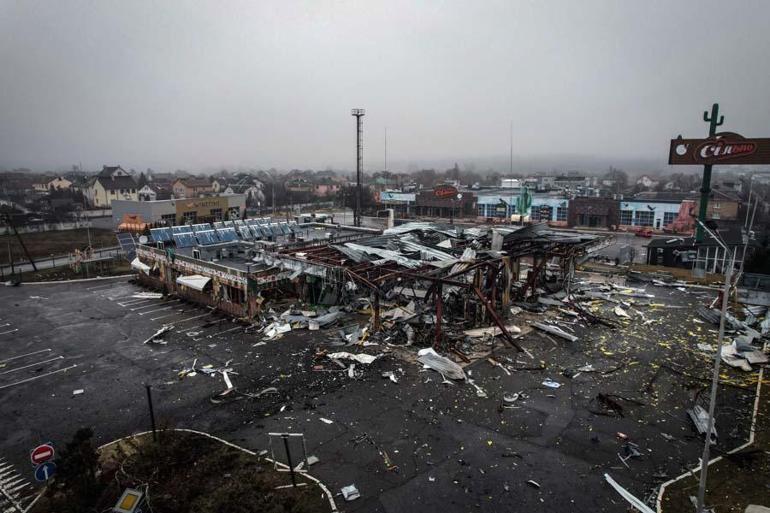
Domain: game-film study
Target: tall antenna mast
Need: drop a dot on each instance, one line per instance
(358, 113)
(386, 148)
(510, 170)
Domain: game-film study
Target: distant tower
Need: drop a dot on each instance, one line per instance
(358, 113)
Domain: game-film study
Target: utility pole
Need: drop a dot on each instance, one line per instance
(358, 113)
(700, 508)
(714, 120)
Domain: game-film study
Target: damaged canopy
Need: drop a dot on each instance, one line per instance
(194, 281)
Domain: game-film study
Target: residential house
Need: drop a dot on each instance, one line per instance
(646, 182)
(59, 184)
(721, 206)
(112, 183)
(147, 193)
(325, 187)
(40, 185)
(191, 187)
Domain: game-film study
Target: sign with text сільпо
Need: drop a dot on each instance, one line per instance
(725, 148)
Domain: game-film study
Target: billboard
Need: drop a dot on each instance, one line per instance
(723, 148)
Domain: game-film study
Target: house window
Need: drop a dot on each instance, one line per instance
(133, 191)
(482, 211)
(561, 213)
(168, 219)
(112, 192)
(626, 216)
(716, 205)
(190, 217)
(644, 217)
(668, 218)
(715, 215)
(216, 213)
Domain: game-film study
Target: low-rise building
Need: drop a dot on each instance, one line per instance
(402, 203)
(173, 212)
(589, 212)
(658, 215)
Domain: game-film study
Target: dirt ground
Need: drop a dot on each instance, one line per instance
(189, 472)
(736, 480)
(45, 244)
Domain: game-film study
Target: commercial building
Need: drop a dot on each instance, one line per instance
(181, 211)
(588, 212)
(445, 201)
(707, 257)
(401, 202)
(657, 215)
(227, 265)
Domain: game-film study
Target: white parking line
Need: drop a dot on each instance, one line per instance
(23, 355)
(106, 285)
(164, 316)
(231, 329)
(31, 365)
(7, 332)
(191, 318)
(137, 301)
(153, 305)
(38, 377)
(158, 310)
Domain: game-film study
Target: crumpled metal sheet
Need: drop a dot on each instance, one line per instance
(440, 364)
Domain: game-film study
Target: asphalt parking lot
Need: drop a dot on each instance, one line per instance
(416, 444)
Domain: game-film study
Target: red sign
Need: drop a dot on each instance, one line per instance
(724, 148)
(41, 454)
(445, 191)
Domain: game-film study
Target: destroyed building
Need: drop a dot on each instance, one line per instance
(427, 271)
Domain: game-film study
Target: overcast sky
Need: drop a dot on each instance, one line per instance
(197, 85)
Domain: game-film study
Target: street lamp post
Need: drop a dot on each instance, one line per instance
(700, 508)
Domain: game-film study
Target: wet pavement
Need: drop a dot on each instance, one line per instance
(454, 451)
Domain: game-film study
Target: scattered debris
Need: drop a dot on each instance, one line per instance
(551, 383)
(700, 418)
(78, 391)
(350, 493)
(553, 330)
(441, 364)
(363, 358)
(641, 506)
(155, 338)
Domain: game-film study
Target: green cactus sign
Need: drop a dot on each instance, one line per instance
(523, 202)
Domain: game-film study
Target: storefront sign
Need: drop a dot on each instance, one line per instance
(723, 148)
(445, 192)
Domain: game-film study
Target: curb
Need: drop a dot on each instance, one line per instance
(322, 486)
(54, 282)
(752, 429)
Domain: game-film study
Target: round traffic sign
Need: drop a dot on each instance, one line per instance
(44, 471)
(41, 453)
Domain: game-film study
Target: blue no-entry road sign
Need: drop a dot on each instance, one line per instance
(45, 470)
